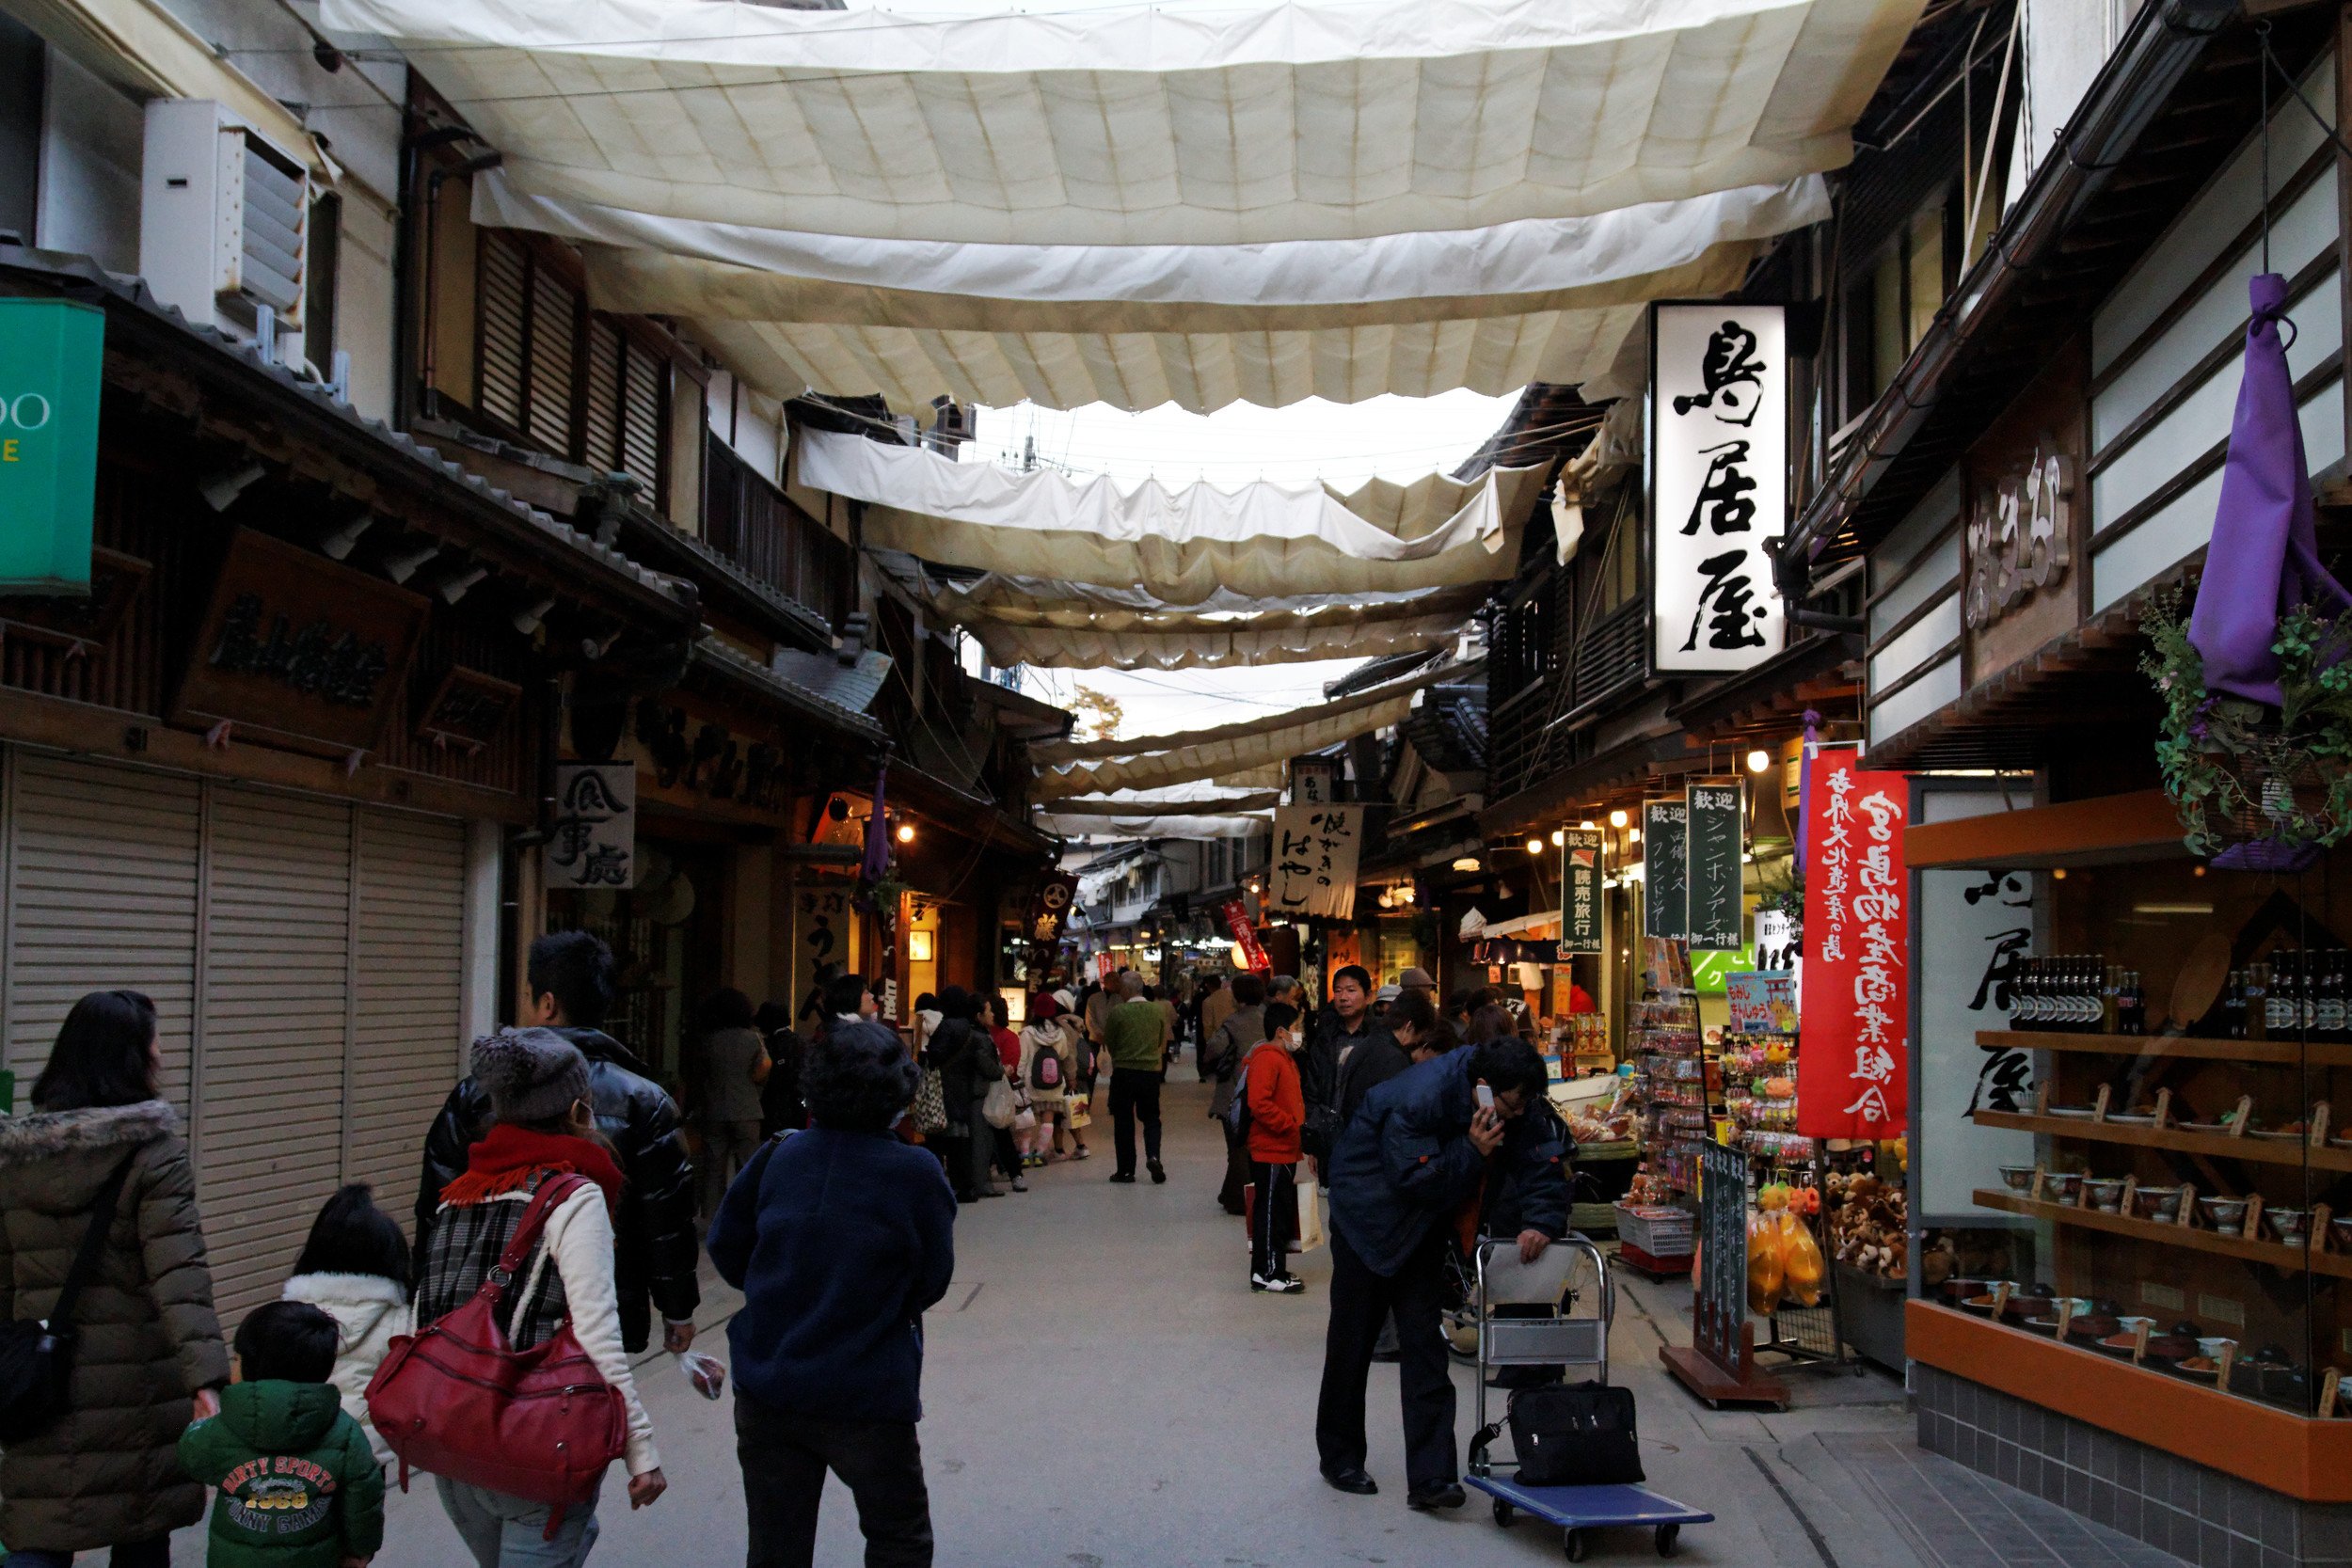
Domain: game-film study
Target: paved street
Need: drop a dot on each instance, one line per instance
(1104, 1392)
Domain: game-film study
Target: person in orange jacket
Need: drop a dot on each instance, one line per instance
(1278, 1115)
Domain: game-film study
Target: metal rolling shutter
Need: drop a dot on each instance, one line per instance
(409, 1008)
(274, 1026)
(103, 894)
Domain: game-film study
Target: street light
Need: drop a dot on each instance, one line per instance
(1760, 760)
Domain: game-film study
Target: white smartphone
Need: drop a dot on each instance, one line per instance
(1486, 1096)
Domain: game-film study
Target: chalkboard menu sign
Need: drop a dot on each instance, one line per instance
(1580, 868)
(1665, 903)
(1713, 857)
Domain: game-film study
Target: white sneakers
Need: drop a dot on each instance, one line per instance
(1281, 1284)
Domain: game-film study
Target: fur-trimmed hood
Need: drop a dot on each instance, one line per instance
(48, 1134)
(331, 1291)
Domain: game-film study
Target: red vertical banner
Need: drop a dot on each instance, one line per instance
(1245, 932)
(1853, 1071)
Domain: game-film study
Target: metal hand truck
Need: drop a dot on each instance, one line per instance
(1557, 1335)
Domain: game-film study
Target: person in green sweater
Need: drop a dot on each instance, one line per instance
(1135, 1037)
(294, 1482)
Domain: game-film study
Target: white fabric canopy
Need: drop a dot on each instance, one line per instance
(1220, 804)
(1059, 602)
(1261, 541)
(1299, 637)
(1149, 126)
(1150, 762)
(1151, 827)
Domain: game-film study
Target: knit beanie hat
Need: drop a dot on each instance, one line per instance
(529, 1074)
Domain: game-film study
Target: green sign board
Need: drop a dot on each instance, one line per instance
(1711, 854)
(1582, 853)
(50, 353)
(1665, 879)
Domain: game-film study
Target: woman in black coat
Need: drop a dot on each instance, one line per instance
(968, 1062)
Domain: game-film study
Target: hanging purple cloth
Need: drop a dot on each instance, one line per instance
(2263, 559)
(1804, 779)
(877, 864)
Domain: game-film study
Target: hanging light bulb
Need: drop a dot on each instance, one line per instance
(1633, 835)
(1559, 838)
(1587, 825)
(1760, 760)
(906, 832)
(1535, 845)
(1617, 818)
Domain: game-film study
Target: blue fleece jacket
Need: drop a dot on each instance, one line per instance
(840, 1243)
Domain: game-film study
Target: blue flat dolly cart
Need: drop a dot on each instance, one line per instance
(1557, 1334)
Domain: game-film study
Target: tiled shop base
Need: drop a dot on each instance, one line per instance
(2201, 1515)
(1961, 1519)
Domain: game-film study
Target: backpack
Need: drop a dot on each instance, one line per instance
(1237, 1108)
(1045, 1069)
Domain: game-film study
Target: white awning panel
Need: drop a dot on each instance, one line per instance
(1180, 547)
(1334, 634)
(1151, 827)
(1174, 804)
(1146, 125)
(1059, 602)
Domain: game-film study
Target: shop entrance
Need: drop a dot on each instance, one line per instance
(667, 940)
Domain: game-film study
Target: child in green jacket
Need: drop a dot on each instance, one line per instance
(296, 1484)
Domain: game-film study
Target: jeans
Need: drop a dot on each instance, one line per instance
(1134, 1095)
(130, 1554)
(727, 1147)
(505, 1532)
(1274, 1217)
(785, 1456)
(1361, 1303)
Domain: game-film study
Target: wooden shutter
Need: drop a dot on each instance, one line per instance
(601, 417)
(503, 282)
(408, 1012)
(643, 411)
(102, 894)
(273, 1023)
(554, 347)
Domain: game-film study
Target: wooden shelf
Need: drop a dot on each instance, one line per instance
(2202, 1048)
(2216, 1146)
(2277, 1254)
(2111, 830)
(2301, 1455)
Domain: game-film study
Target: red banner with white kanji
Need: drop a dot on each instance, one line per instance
(1853, 1070)
(1245, 934)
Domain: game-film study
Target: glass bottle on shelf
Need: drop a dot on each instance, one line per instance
(2110, 1000)
(2234, 1008)
(2331, 1022)
(2134, 1008)
(2258, 1001)
(2314, 974)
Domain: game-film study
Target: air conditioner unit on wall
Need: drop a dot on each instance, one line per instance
(224, 223)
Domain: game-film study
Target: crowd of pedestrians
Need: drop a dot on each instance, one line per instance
(557, 1222)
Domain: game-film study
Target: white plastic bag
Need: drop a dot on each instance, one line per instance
(1000, 1107)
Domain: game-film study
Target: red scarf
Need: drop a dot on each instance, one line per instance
(510, 1157)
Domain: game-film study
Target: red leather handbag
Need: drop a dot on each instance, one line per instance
(457, 1400)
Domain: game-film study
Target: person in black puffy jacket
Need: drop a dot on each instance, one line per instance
(656, 1252)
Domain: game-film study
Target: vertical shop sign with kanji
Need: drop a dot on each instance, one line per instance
(1315, 849)
(1665, 874)
(1049, 912)
(593, 841)
(1718, 490)
(1856, 1005)
(1713, 858)
(1579, 890)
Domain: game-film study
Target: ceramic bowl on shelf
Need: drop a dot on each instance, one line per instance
(2130, 1324)
(2104, 1193)
(2156, 1203)
(2071, 1113)
(2017, 1178)
(2291, 1226)
(2062, 1186)
(2212, 1345)
(2226, 1215)
(2131, 1118)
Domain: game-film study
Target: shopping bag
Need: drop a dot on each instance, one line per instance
(1074, 1109)
(930, 1103)
(998, 1108)
(1309, 1219)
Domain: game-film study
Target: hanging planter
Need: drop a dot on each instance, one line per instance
(2259, 787)
(2256, 742)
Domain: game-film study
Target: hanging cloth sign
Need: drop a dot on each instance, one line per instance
(1665, 906)
(1579, 890)
(1712, 858)
(1855, 1009)
(1237, 921)
(1315, 849)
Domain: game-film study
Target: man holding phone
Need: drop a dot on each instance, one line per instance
(1419, 1155)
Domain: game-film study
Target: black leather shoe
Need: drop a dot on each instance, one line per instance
(1159, 1173)
(1446, 1495)
(1126, 1175)
(1353, 1482)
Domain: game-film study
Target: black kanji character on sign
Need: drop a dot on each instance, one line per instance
(1722, 501)
(1733, 374)
(1731, 595)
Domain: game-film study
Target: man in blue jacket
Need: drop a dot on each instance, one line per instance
(1423, 1148)
(840, 1238)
